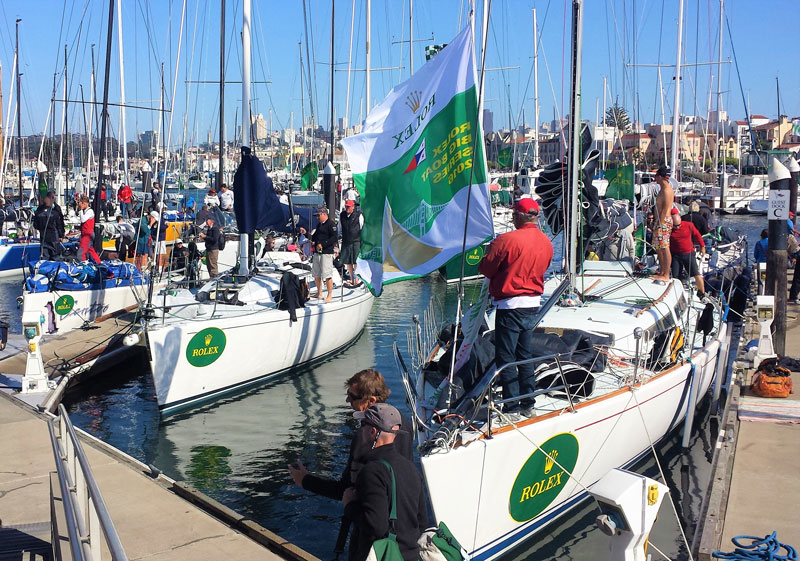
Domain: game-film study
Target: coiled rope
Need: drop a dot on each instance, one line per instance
(766, 548)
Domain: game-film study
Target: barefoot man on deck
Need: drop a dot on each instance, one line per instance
(663, 224)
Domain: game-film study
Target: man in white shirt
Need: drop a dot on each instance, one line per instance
(226, 199)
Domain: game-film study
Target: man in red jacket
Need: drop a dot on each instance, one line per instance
(515, 266)
(86, 216)
(685, 236)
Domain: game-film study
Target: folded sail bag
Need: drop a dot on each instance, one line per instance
(438, 544)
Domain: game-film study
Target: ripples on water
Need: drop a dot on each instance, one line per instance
(236, 449)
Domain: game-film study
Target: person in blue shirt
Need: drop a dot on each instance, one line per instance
(189, 207)
(760, 249)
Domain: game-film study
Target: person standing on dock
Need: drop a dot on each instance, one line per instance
(685, 236)
(324, 241)
(351, 221)
(49, 220)
(386, 478)
(86, 216)
(663, 224)
(211, 236)
(515, 265)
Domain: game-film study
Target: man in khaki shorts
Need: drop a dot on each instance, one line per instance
(323, 241)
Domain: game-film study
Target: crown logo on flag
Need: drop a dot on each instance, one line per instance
(549, 461)
(208, 339)
(413, 100)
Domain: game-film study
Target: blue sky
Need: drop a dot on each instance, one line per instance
(615, 33)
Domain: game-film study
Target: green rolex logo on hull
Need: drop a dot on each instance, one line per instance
(64, 305)
(543, 476)
(474, 255)
(205, 347)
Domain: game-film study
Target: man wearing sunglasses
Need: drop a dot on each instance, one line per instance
(369, 502)
(364, 389)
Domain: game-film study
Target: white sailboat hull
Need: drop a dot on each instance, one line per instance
(610, 432)
(86, 306)
(257, 345)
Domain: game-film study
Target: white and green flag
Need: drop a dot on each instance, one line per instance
(412, 166)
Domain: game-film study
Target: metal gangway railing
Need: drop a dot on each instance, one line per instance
(86, 517)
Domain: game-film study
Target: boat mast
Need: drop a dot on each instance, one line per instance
(302, 104)
(310, 90)
(104, 115)
(676, 106)
(7, 133)
(349, 66)
(221, 95)
(536, 91)
(19, 120)
(368, 67)
(411, 37)
(93, 125)
(122, 94)
(571, 244)
(244, 262)
(721, 175)
(333, 12)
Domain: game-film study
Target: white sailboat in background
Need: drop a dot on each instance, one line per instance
(236, 331)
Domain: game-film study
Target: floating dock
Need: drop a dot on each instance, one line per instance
(754, 487)
(70, 357)
(156, 517)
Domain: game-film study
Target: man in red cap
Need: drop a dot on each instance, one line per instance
(515, 266)
(350, 223)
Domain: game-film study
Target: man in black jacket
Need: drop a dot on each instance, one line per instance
(324, 242)
(49, 220)
(211, 237)
(351, 221)
(368, 504)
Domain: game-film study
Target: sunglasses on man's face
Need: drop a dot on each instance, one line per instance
(353, 397)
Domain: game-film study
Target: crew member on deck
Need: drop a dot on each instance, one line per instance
(515, 266)
(324, 241)
(663, 224)
(126, 236)
(226, 199)
(86, 216)
(49, 220)
(685, 236)
(211, 236)
(351, 221)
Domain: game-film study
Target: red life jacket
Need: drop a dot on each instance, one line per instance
(87, 222)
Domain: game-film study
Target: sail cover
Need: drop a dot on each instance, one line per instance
(412, 166)
(257, 205)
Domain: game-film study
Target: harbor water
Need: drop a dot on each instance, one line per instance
(237, 449)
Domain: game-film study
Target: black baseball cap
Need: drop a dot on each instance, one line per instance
(664, 171)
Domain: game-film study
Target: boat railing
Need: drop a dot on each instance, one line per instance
(86, 518)
(565, 386)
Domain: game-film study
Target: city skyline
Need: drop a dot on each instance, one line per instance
(150, 36)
